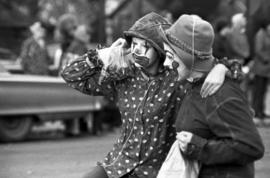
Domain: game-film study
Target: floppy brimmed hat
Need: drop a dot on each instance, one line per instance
(148, 28)
(192, 38)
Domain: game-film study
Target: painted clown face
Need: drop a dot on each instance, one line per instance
(175, 63)
(143, 53)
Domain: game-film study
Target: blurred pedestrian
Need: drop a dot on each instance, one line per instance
(147, 94)
(238, 47)
(34, 55)
(217, 131)
(221, 45)
(64, 34)
(81, 40)
(261, 69)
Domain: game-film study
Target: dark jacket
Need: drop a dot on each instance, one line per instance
(226, 141)
(35, 59)
(261, 65)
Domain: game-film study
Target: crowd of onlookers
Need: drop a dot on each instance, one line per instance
(231, 42)
(71, 39)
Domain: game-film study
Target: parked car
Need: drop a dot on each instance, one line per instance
(27, 99)
(10, 61)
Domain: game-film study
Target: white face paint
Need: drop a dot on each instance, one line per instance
(175, 63)
(143, 52)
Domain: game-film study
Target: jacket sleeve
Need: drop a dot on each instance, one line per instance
(237, 140)
(87, 75)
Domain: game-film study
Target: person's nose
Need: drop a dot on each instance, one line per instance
(168, 63)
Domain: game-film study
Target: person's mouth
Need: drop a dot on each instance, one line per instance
(141, 60)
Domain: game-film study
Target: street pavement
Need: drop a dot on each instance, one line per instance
(54, 156)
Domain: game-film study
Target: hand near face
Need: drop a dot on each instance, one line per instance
(184, 138)
(115, 51)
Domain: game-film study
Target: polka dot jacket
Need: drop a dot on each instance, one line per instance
(148, 108)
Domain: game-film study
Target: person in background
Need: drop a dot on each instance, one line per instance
(261, 70)
(34, 55)
(218, 130)
(79, 45)
(237, 39)
(221, 45)
(64, 35)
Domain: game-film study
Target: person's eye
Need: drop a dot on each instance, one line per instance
(169, 56)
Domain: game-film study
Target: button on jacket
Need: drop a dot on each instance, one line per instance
(226, 141)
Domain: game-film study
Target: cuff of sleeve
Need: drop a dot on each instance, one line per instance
(93, 60)
(195, 146)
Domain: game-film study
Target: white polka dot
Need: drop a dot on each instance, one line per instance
(128, 170)
(171, 84)
(156, 117)
(144, 141)
(155, 139)
(133, 98)
(161, 120)
(137, 154)
(141, 162)
(156, 96)
(147, 120)
(169, 94)
(127, 105)
(119, 172)
(127, 161)
(136, 140)
(151, 148)
(141, 98)
(126, 100)
(109, 172)
(160, 99)
(154, 160)
(145, 173)
(97, 90)
(151, 104)
(146, 154)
